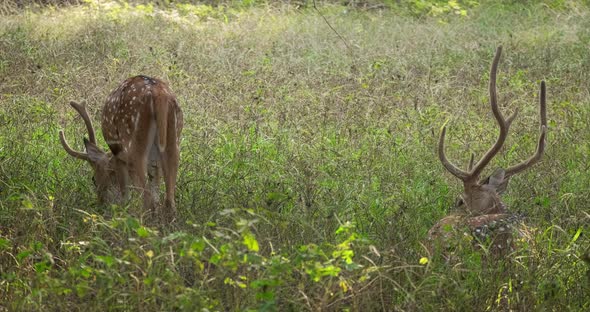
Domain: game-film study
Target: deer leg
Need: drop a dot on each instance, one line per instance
(170, 170)
(170, 159)
(141, 160)
(123, 178)
(154, 174)
(140, 168)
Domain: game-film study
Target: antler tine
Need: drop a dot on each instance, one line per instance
(72, 152)
(81, 109)
(504, 125)
(512, 117)
(454, 170)
(541, 144)
(471, 161)
(543, 104)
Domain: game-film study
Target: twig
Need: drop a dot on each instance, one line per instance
(334, 30)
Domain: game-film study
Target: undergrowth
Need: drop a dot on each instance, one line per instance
(308, 176)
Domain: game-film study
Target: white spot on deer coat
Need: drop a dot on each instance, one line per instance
(136, 121)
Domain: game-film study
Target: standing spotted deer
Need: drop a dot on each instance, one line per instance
(482, 211)
(141, 123)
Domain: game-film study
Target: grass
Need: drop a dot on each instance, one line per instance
(308, 178)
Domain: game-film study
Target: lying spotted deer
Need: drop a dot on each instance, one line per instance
(482, 211)
(141, 123)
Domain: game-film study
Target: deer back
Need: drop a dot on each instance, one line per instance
(140, 104)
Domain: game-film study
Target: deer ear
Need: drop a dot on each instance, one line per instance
(94, 153)
(497, 181)
(497, 177)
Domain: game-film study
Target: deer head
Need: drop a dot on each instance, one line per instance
(483, 196)
(141, 123)
(103, 163)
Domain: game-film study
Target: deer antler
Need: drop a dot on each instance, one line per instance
(454, 170)
(66, 146)
(504, 124)
(471, 162)
(81, 109)
(541, 144)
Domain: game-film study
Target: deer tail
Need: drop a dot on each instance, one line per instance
(161, 107)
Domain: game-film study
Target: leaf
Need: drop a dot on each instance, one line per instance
(173, 236)
(27, 203)
(198, 245)
(142, 232)
(343, 286)
(251, 242)
(23, 254)
(4, 243)
(215, 258)
(330, 270)
(132, 223)
(41, 267)
(107, 260)
(577, 235)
